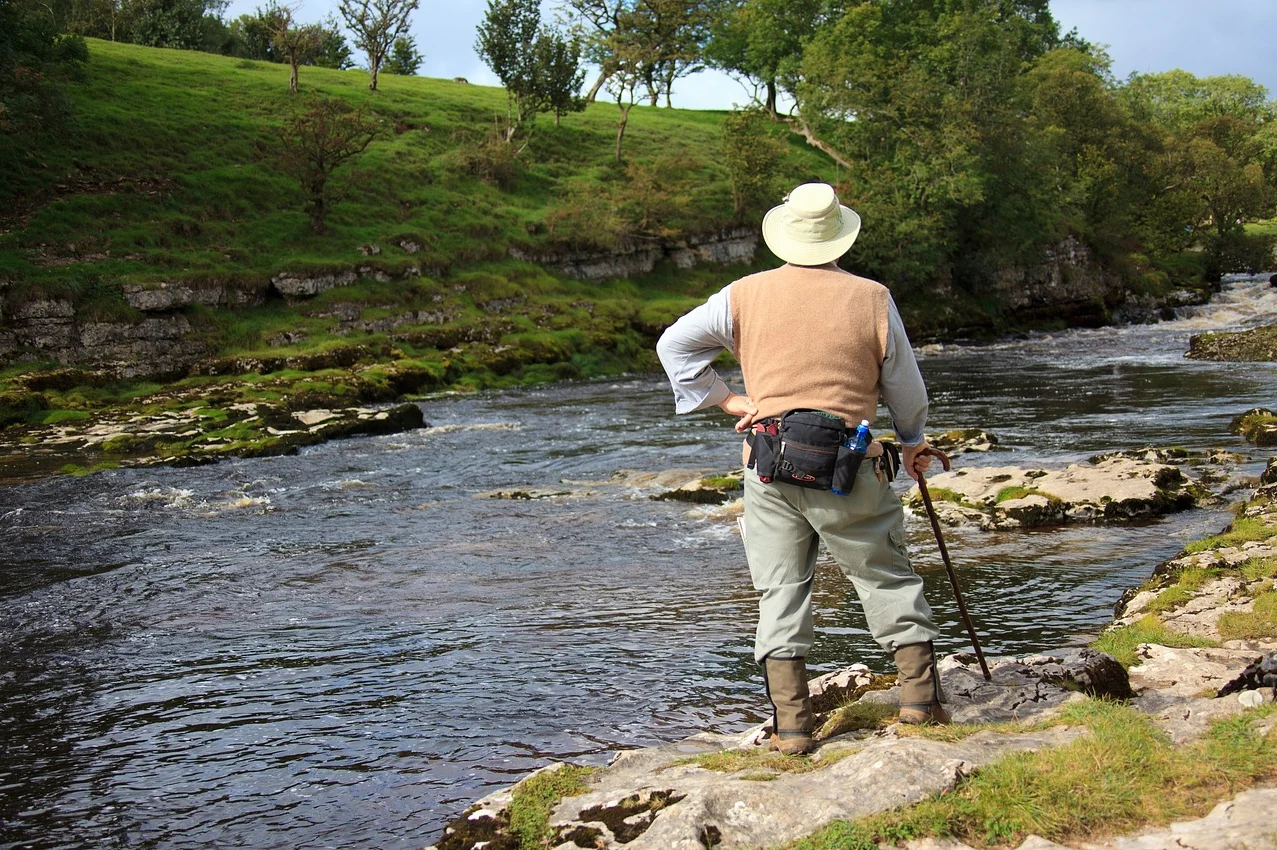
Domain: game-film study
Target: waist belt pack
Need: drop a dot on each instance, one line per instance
(806, 448)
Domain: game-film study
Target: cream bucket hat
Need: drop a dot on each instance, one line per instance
(810, 228)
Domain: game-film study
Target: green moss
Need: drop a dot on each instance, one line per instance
(1121, 642)
(857, 717)
(721, 482)
(536, 797)
(944, 494)
(57, 417)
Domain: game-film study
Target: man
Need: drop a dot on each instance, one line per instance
(810, 336)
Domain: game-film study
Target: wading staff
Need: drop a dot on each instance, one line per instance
(948, 565)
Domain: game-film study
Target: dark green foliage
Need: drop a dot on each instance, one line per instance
(317, 140)
(404, 58)
(185, 24)
(36, 60)
(752, 152)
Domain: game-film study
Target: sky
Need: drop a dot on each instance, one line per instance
(1204, 37)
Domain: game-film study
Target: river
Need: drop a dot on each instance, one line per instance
(345, 647)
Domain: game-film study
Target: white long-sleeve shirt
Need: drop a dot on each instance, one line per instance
(689, 346)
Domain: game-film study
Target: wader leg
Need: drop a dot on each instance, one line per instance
(781, 547)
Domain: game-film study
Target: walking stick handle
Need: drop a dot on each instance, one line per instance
(936, 453)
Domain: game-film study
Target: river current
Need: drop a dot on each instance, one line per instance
(345, 647)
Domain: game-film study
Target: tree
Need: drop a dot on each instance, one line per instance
(314, 142)
(752, 154)
(559, 73)
(627, 74)
(97, 19)
(597, 19)
(675, 32)
(1177, 100)
(296, 45)
(333, 51)
(36, 60)
(184, 24)
(375, 24)
(404, 59)
(539, 68)
(255, 34)
(506, 41)
(762, 40)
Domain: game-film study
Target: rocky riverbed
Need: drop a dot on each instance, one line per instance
(1192, 641)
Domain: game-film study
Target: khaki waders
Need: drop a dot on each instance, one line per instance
(864, 532)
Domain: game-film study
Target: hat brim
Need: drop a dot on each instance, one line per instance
(810, 253)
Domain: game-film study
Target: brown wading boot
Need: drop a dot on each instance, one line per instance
(920, 694)
(786, 680)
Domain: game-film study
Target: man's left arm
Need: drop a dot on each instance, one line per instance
(905, 394)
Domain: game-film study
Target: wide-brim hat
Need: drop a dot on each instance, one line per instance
(810, 228)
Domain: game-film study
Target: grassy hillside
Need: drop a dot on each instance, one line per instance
(169, 175)
(185, 130)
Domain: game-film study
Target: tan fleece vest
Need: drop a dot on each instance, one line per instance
(811, 337)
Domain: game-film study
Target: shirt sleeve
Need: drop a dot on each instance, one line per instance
(689, 346)
(903, 389)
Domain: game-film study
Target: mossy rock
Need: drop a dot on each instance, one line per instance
(1258, 345)
(1257, 425)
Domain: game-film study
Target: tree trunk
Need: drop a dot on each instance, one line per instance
(316, 211)
(771, 100)
(620, 130)
(292, 76)
(374, 64)
(556, 117)
(799, 126)
(598, 84)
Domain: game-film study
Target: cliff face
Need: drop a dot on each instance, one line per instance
(162, 338)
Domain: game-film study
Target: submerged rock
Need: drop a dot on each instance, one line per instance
(1110, 489)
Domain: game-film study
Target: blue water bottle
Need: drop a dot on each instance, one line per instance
(850, 454)
(860, 443)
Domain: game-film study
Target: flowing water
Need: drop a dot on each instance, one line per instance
(346, 647)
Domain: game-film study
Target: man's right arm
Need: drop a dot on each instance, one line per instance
(689, 346)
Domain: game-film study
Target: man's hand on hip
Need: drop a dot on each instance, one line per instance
(742, 406)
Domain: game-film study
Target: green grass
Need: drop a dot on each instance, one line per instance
(1242, 530)
(1186, 583)
(1124, 774)
(537, 796)
(1121, 642)
(1262, 228)
(736, 761)
(1258, 623)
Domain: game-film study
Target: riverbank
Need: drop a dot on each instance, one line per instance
(1168, 707)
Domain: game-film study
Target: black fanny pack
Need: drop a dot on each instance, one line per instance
(806, 448)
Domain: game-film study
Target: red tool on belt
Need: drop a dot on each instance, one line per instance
(944, 554)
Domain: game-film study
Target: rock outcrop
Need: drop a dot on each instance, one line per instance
(1111, 489)
(1257, 345)
(1257, 425)
(638, 257)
